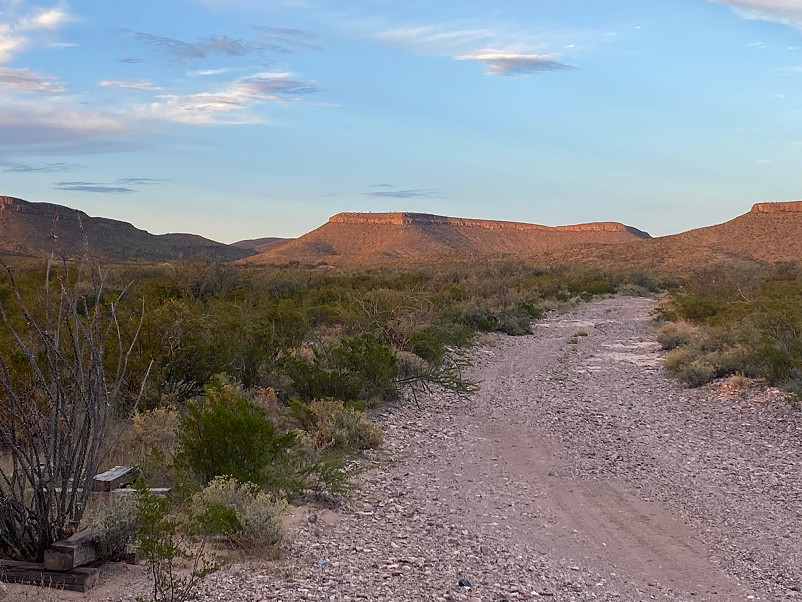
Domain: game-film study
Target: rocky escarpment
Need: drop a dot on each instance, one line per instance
(426, 219)
(778, 207)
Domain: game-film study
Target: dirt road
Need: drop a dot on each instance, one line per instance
(578, 472)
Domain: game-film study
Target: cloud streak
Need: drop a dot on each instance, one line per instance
(227, 106)
(92, 187)
(508, 63)
(415, 193)
(130, 84)
(503, 53)
(47, 167)
(25, 81)
(787, 12)
(120, 186)
(285, 40)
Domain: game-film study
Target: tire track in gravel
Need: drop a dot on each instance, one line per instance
(578, 472)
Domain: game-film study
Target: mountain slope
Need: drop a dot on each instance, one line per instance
(374, 238)
(770, 232)
(34, 229)
(260, 245)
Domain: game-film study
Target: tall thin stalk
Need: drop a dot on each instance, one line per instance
(59, 386)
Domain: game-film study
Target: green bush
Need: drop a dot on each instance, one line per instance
(354, 368)
(227, 434)
(429, 344)
(514, 322)
(167, 544)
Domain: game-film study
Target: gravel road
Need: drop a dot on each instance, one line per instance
(578, 472)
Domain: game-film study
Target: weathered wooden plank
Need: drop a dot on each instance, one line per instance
(157, 491)
(114, 478)
(34, 573)
(77, 550)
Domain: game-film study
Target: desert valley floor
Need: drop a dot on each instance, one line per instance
(578, 472)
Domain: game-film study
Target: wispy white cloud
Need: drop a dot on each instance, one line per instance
(130, 84)
(24, 80)
(788, 12)
(229, 105)
(501, 51)
(18, 29)
(510, 63)
(205, 72)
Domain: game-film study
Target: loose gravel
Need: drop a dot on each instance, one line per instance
(579, 471)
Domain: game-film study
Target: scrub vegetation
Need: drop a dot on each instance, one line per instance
(745, 323)
(240, 389)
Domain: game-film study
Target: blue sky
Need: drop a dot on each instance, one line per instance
(239, 119)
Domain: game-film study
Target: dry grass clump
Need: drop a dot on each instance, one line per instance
(242, 514)
(676, 334)
(149, 441)
(28, 593)
(738, 381)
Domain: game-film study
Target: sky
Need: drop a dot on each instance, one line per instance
(238, 119)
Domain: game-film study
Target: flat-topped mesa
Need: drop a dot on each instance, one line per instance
(778, 207)
(426, 219)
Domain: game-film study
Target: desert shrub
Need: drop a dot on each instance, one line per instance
(242, 513)
(697, 373)
(428, 344)
(167, 544)
(311, 380)
(369, 364)
(678, 358)
(334, 425)
(115, 525)
(480, 320)
(354, 368)
(456, 334)
(532, 308)
(697, 308)
(514, 322)
(675, 334)
(227, 434)
(641, 280)
(149, 441)
(629, 289)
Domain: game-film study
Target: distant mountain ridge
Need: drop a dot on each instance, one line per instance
(769, 232)
(260, 245)
(35, 229)
(375, 238)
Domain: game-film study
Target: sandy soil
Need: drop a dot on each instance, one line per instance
(578, 472)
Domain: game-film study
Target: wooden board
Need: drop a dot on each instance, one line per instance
(157, 491)
(34, 573)
(114, 478)
(77, 550)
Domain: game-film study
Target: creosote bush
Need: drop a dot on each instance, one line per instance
(228, 434)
